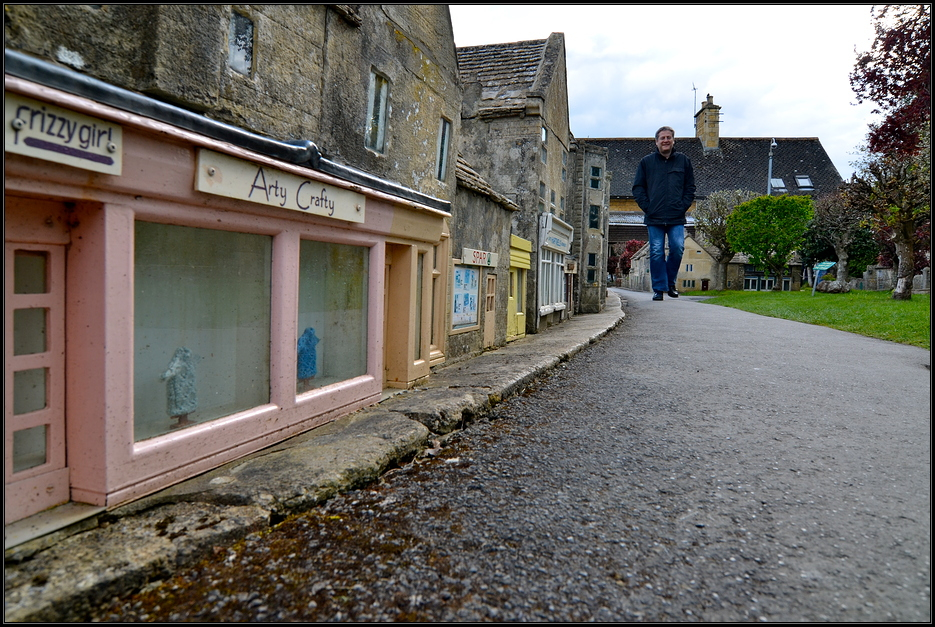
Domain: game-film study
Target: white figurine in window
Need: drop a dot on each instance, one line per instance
(181, 394)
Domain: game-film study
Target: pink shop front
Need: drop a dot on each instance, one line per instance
(174, 301)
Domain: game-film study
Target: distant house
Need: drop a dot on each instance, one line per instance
(800, 166)
(697, 271)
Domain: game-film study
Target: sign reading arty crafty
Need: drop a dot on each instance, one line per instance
(44, 131)
(473, 257)
(235, 178)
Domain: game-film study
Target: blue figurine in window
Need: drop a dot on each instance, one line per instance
(181, 394)
(308, 356)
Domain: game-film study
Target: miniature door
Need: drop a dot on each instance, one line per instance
(35, 471)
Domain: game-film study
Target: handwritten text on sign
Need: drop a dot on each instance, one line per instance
(44, 131)
(235, 178)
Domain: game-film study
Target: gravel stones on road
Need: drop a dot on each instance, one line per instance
(673, 476)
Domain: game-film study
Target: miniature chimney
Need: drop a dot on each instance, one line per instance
(707, 122)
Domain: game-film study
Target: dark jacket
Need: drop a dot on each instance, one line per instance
(664, 188)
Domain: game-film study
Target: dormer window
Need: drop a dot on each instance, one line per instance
(803, 181)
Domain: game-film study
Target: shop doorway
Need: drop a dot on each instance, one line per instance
(36, 475)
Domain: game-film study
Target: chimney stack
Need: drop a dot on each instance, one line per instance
(707, 122)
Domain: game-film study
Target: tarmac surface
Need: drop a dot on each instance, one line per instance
(63, 574)
(879, 428)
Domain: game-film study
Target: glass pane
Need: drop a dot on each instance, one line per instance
(29, 332)
(29, 390)
(29, 446)
(240, 43)
(30, 269)
(333, 286)
(201, 325)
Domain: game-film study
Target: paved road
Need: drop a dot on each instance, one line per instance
(699, 463)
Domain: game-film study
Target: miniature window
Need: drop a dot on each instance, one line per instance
(594, 217)
(240, 43)
(376, 114)
(332, 331)
(201, 325)
(444, 144)
(595, 177)
(543, 150)
(464, 296)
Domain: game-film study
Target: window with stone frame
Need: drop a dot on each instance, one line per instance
(376, 112)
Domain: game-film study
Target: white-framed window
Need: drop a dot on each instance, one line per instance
(444, 146)
(551, 278)
(376, 112)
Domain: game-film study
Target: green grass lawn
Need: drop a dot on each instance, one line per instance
(874, 314)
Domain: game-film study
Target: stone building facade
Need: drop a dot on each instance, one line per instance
(515, 131)
(589, 215)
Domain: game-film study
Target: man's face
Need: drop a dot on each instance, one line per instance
(665, 142)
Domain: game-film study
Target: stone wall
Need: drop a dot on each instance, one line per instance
(306, 76)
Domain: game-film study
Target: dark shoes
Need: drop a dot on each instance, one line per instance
(657, 295)
(673, 293)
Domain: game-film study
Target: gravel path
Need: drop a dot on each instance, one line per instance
(698, 464)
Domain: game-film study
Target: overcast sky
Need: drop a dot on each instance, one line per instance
(776, 71)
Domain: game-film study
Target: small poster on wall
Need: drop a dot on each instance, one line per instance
(464, 297)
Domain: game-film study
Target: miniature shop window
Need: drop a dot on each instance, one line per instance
(464, 295)
(333, 288)
(201, 325)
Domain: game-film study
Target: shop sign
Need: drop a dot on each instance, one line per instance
(44, 131)
(473, 257)
(228, 176)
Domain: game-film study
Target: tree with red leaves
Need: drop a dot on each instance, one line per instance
(895, 74)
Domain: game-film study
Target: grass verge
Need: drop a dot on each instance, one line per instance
(873, 314)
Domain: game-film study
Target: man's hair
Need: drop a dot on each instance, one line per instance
(666, 128)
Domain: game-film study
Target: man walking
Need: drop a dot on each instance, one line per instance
(664, 188)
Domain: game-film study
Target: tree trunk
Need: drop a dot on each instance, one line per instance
(841, 272)
(720, 276)
(905, 252)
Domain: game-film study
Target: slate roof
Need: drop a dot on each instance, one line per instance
(506, 73)
(739, 163)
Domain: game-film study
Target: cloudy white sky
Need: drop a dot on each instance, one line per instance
(776, 71)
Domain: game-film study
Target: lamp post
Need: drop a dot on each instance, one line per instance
(769, 174)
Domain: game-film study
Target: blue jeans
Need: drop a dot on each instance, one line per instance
(664, 270)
